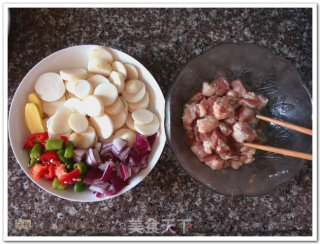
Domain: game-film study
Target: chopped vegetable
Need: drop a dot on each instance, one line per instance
(36, 152)
(92, 175)
(68, 153)
(67, 162)
(33, 98)
(57, 185)
(81, 166)
(79, 154)
(35, 138)
(93, 157)
(78, 187)
(125, 172)
(49, 174)
(33, 119)
(118, 183)
(64, 138)
(38, 170)
(32, 162)
(70, 178)
(50, 157)
(54, 144)
(100, 187)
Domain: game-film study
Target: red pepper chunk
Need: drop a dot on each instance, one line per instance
(35, 138)
(50, 157)
(38, 170)
(49, 175)
(67, 178)
(65, 138)
(70, 178)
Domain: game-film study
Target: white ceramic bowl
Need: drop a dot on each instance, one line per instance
(77, 56)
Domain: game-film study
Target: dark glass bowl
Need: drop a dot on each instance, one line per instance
(264, 73)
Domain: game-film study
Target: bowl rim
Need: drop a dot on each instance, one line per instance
(167, 116)
(157, 152)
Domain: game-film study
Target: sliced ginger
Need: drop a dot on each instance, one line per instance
(34, 98)
(33, 119)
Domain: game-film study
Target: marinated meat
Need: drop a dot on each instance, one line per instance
(208, 90)
(219, 119)
(245, 114)
(243, 133)
(207, 124)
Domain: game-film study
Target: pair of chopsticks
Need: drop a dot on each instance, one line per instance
(281, 150)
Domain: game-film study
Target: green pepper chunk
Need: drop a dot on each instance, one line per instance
(67, 163)
(32, 162)
(78, 187)
(82, 167)
(36, 152)
(68, 153)
(56, 184)
(54, 144)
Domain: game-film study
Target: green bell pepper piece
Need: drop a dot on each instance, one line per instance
(54, 144)
(68, 152)
(56, 184)
(82, 167)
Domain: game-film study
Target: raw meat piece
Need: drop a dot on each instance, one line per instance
(207, 124)
(242, 132)
(208, 90)
(221, 85)
(245, 114)
(217, 120)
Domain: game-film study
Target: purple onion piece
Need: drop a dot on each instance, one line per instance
(124, 154)
(96, 156)
(119, 145)
(79, 154)
(111, 191)
(101, 187)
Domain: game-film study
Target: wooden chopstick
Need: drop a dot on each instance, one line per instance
(280, 151)
(286, 125)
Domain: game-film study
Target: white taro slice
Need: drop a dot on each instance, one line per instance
(82, 89)
(142, 116)
(74, 74)
(107, 92)
(78, 122)
(50, 108)
(115, 108)
(99, 66)
(119, 67)
(134, 91)
(102, 53)
(130, 122)
(143, 103)
(96, 80)
(132, 72)
(50, 87)
(103, 126)
(117, 79)
(93, 106)
(148, 129)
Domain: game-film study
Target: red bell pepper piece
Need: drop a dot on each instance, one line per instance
(35, 138)
(38, 170)
(65, 138)
(59, 171)
(49, 175)
(69, 178)
(50, 157)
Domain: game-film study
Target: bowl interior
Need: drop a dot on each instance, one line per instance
(264, 73)
(77, 56)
